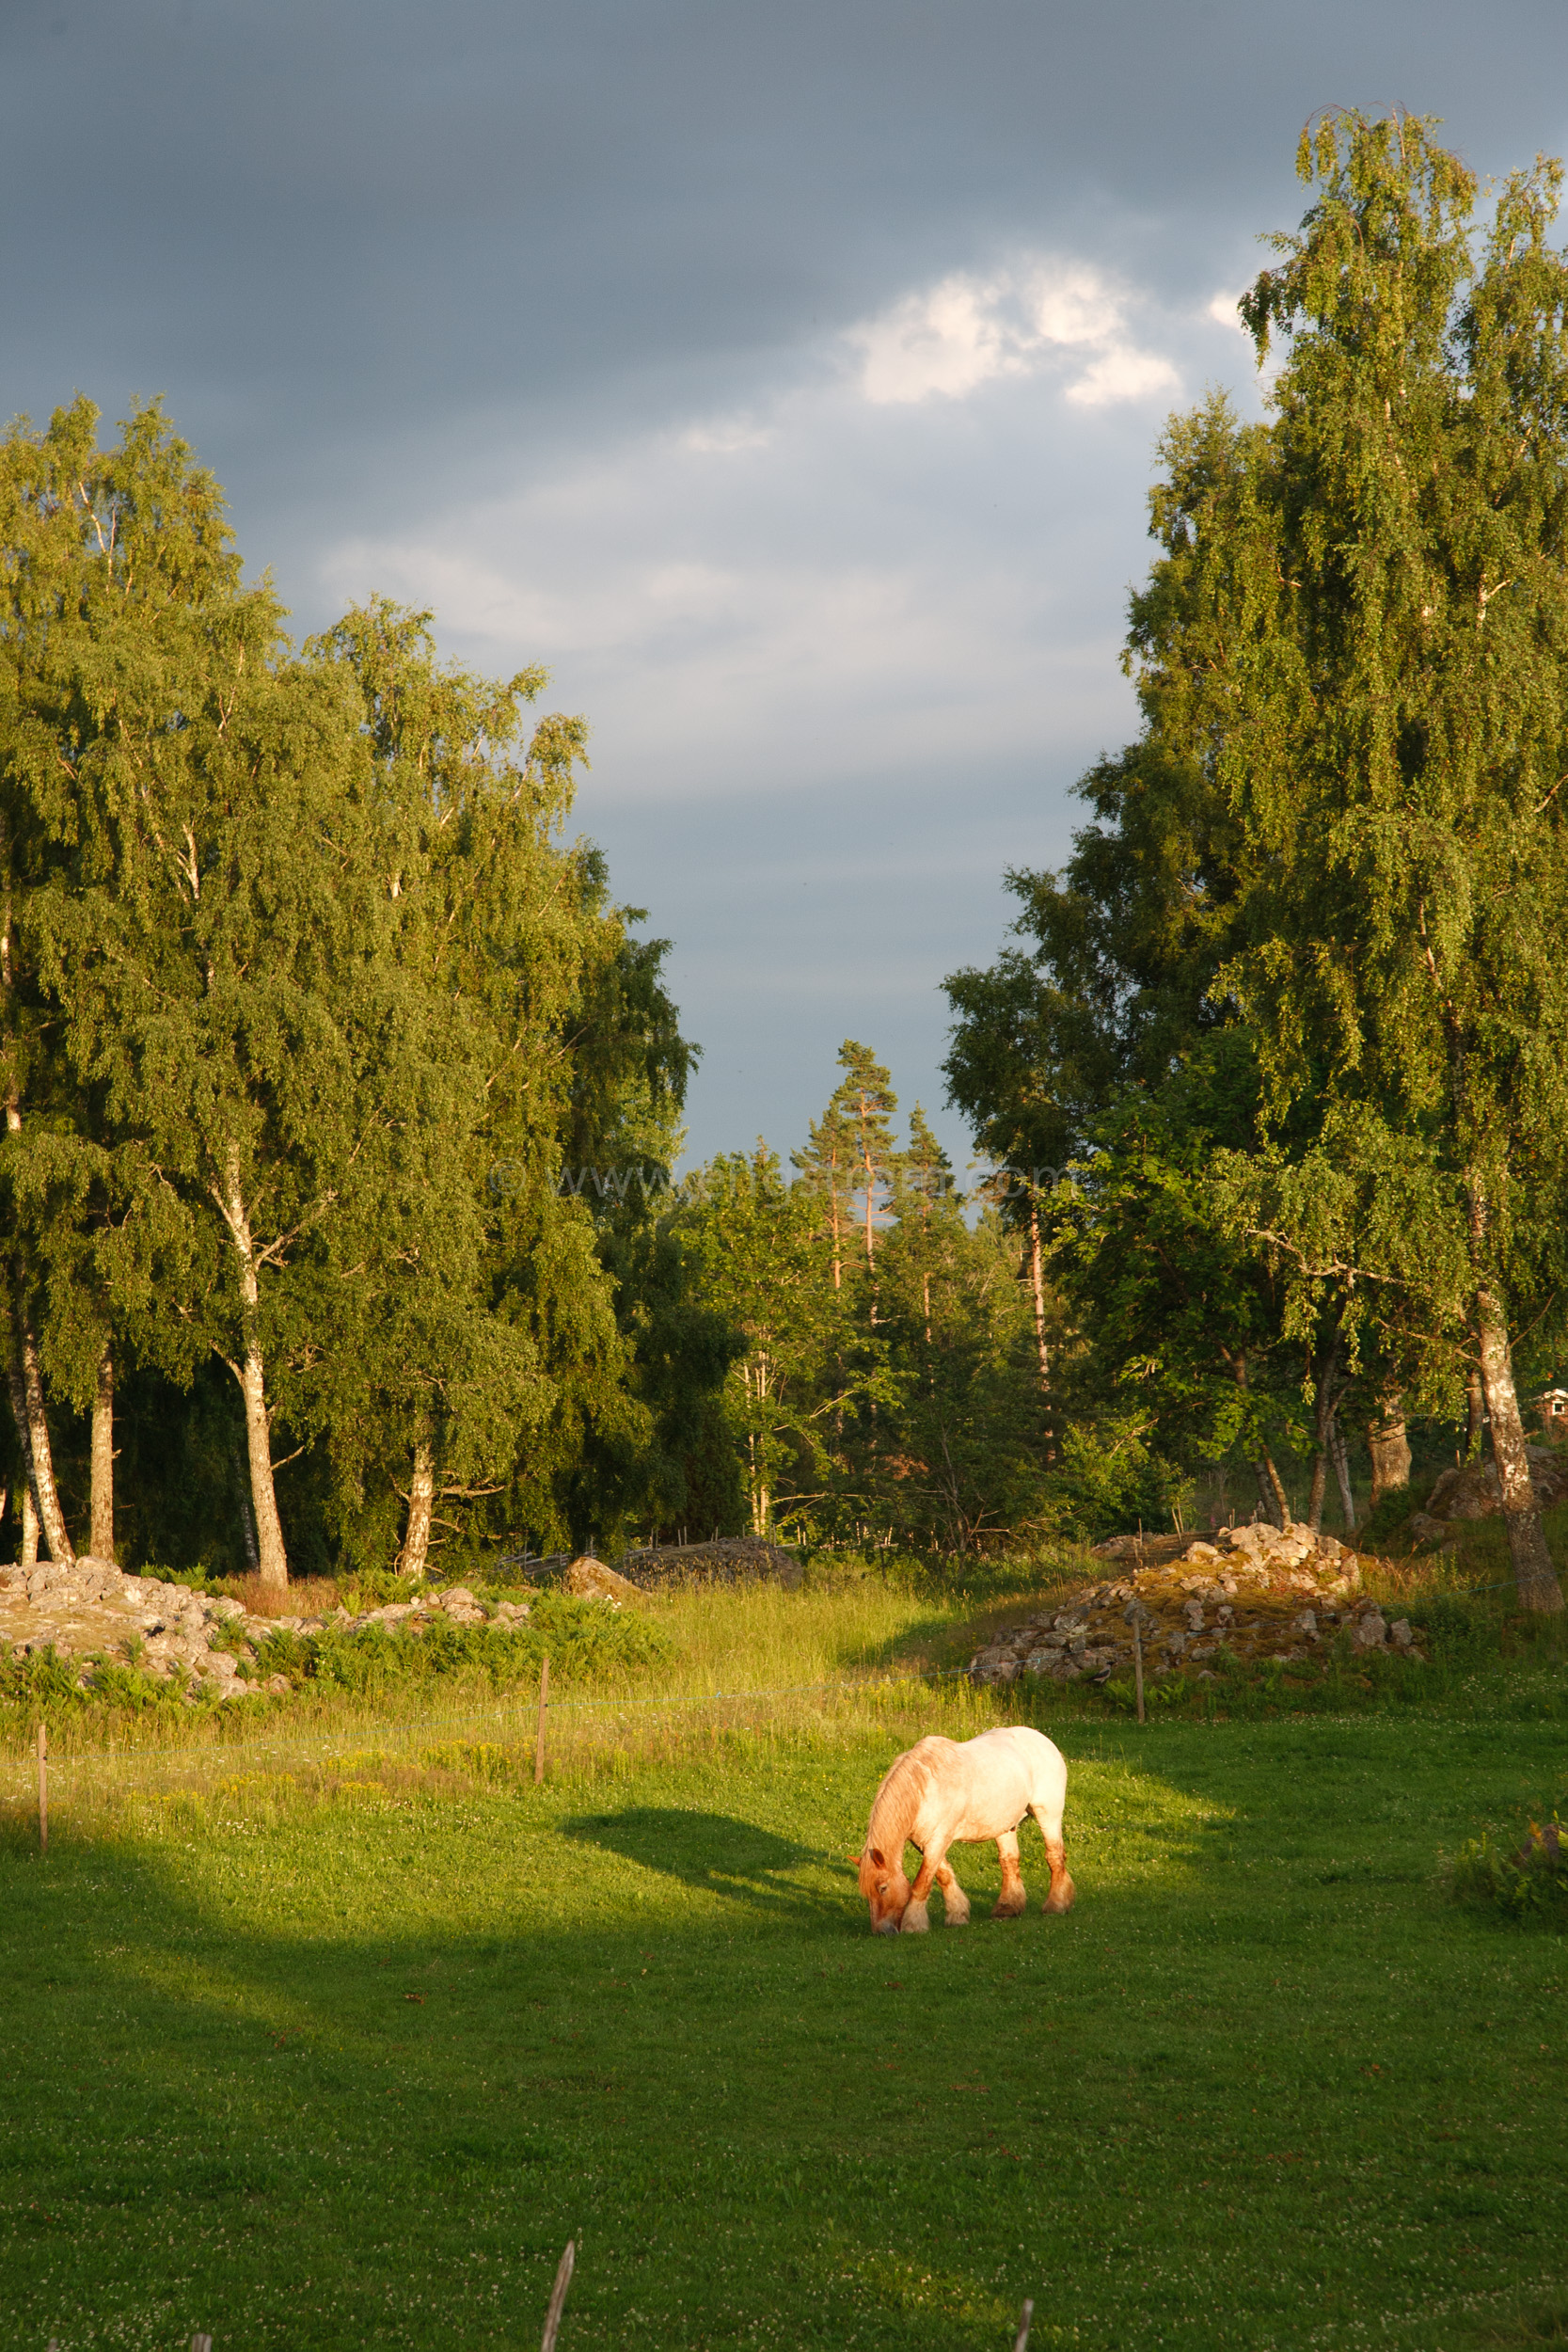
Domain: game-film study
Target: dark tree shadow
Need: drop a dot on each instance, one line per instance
(715, 1853)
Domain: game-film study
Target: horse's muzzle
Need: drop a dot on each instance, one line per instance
(885, 1926)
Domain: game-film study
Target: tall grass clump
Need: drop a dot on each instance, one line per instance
(1527, 1884)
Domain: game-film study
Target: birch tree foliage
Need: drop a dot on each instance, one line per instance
(213, 933)
(1360, 627)
(104, 555)
(489, 935)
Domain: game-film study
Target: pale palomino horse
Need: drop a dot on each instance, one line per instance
(941, 1791)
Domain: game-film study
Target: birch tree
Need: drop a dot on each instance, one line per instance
(209, 930)
(1380, 683)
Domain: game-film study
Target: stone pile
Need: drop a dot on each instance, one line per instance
(728, 1560)
(1258, 1592)
(1476, 1493)
(91, 1610)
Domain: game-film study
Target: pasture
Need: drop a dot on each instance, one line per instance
(335, 2043)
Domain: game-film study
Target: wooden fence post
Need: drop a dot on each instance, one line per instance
(43, 1789)
(1134, 1614)
(539, 1775)
(1023, 2325)
(558, 2299)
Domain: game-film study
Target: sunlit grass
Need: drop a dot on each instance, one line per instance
(341, 2050)
(754, 1670)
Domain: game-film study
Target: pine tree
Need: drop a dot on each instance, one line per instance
(825, 1163)
(865, 1104)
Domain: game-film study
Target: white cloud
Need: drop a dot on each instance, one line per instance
(947, 340)
(725, 437)
(1222, 310)
(951, 338)
(1122, 373)
(827, 610)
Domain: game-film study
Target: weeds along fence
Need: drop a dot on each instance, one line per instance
(456, 1740)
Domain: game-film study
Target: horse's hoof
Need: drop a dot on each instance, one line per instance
(916, 1921)
(1060, 1899)
(959, 1919)
(1011, 1909)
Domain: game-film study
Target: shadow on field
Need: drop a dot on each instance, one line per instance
(714, 1854)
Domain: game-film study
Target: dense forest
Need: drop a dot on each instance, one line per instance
(338, 1211)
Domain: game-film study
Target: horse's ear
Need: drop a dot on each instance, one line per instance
(876, 1858)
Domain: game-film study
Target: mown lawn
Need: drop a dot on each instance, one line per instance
(344, 2064)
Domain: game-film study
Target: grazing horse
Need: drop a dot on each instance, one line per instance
(942, 1789)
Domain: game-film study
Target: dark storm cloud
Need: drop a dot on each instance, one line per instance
(366, 218)
(784, 376)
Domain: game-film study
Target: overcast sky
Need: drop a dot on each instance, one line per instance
(785, 376)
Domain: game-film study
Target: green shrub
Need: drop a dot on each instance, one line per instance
(1387, 1521)
(587, 1640)
(1526, 1882)
(372, 1588)
(1110, 1482)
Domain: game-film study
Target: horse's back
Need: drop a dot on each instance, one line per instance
(969, 1789)
(1015, 1768)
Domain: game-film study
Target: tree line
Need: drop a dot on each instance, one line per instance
(343, 1101)
(342, 1107)
(1296, 1009)
(293, 953)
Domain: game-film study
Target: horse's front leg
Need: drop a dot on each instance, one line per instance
(1012, 1901)
(934, 1871)
(955, 1902)
(916, 1918)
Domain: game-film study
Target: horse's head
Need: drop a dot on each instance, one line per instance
(885, 1888)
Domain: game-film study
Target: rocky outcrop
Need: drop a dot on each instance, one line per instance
(1258, 1592)
(589, 1580)
(90, 1610)
(1474, 1493)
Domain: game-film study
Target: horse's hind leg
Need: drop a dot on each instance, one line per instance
(1062, 1889)
(1012, 1902)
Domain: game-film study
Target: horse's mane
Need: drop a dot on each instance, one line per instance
(898, 1801)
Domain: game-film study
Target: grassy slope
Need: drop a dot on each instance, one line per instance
(1262, 2087)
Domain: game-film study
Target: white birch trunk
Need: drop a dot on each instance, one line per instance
(41, 1461)
(421, 1505)
(102, 1543)
(29, 1527)
(272, 1559)
(32, 1428)
(1533, 1574)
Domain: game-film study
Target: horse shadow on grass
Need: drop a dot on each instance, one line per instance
(714, 1854)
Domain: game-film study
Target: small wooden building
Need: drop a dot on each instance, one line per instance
(1553, 1404)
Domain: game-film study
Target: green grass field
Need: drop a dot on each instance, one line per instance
(336, 2045)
